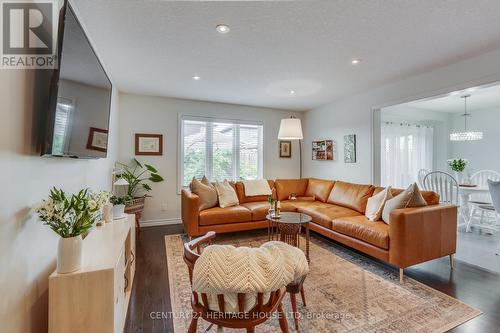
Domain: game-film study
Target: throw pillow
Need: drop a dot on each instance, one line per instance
(411, 197)
(206, 193)
(417, 200)
(227, 194)
(376, 204)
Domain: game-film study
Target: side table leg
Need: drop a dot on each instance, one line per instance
(307, 242)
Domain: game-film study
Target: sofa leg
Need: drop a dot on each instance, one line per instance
(452, 261)
(401, 275)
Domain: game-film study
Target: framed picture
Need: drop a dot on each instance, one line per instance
(323, 150)
(350, 148)
(97, 139)
(149, 144)
(285, 149)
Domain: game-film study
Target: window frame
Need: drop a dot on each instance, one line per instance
(209, 158)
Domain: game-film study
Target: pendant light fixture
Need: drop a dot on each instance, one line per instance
(466, 135)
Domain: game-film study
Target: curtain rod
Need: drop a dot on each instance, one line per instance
(407, 124)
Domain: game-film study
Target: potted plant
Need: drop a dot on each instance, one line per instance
(118, 206)
(458, 166)
(71, 216)
(138, 176)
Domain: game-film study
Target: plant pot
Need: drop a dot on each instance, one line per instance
(69, 254)
(118, 211)
(135, 206)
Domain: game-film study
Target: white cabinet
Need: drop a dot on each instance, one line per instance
(95, 298)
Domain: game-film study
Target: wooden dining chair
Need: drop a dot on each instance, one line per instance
(481, 178)
(480, 203)
(246, 319)
(421, 175)
(443, 184)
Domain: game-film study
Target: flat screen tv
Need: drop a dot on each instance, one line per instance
(77, 121)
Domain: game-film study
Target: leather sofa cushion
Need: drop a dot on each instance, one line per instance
(240, 191)
(217, 215)
(432, 198)
(319, 188)
(359, 227)
(259, 210)
(323, 214)
(352, 196)
(288, 206)
(285, 187)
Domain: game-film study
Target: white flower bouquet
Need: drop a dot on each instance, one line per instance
(71, 215)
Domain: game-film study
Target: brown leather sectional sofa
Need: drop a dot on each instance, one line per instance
(414, 235)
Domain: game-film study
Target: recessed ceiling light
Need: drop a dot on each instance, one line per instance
(222, 28)
(292, 92)
(196, 78)
(355, 61)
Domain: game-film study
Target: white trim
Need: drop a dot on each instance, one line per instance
(154, 223)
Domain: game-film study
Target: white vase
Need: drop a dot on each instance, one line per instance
(118, 211)
(69, 254)
(107, 212)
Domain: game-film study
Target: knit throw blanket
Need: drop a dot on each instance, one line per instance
(225, 269)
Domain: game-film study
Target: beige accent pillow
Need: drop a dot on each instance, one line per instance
(227, 194)
(411, 197)
(206, 193)
(376, 204)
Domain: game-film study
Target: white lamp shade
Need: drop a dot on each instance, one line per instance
(121, 182)
(290, 129)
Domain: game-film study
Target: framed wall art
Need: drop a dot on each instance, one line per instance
(285, 149)
(97, 139)
(149, 144)
(350, 148)
(323, 150)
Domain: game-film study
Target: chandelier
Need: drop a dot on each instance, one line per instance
(465, 135)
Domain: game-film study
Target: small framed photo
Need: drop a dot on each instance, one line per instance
(285, 149)
(149, 144)
(98, 139)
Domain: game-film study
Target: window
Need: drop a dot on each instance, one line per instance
(220, 149)
(62, 123)
(406, 149)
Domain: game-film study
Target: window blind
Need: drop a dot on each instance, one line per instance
(220, 149)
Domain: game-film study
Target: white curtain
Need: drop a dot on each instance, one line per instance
(405, 149)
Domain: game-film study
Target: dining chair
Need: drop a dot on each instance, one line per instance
(443, 184)
(494, 187)
(479, 200)
(481, 178)
(421, 175)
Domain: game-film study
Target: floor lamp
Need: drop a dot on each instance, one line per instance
(291, 129)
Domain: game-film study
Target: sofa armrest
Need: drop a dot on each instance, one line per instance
(190, 212)
(420, 234)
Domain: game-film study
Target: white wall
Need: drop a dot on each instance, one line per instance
(353, 114)
(28, 248)
(483, 154)
(440, 121)
(147, 114)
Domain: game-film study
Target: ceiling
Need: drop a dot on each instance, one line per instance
(155, 47)
(480, 98)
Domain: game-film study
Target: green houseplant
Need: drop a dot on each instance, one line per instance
(138, 176)
(458, 165)
(118, 205)
(70, 216)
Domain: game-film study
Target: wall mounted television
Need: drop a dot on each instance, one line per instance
(77, 119)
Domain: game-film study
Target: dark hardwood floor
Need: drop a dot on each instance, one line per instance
(150, 294)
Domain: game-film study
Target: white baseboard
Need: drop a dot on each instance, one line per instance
(154, 223)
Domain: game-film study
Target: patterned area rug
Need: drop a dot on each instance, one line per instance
(344, 293)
